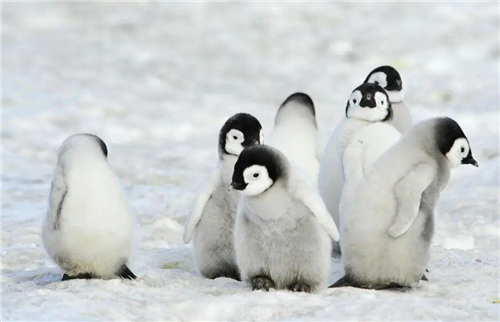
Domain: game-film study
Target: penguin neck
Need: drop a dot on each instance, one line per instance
(226, 163)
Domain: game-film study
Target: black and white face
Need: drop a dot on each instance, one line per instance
(256, 170)
(240, 131)
(389, 79)
(453, 143)
(370, 103)
(460, 153)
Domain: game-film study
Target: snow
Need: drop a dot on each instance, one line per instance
(156, 81)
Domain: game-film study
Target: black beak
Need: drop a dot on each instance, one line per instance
(368, 101)
(237, 186)
(470, 160)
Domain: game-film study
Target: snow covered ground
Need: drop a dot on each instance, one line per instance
(156, 82)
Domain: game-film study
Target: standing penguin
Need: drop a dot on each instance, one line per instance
(283, 230)
(88, 228)
(389, 219)
(212, 216)
(389, 79)
(367, 104)
(296, 133)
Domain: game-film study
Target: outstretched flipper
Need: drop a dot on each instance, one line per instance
(199, 205)
(309, 195)
(424, 278)
(58, 192)
(408, 195)
(125, 273)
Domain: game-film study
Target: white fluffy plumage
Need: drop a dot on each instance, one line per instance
(89, 226)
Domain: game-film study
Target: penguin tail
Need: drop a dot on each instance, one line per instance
(343, 282)
(125, 273)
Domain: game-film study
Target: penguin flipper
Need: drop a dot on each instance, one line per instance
(125, 273)
(309, 195)
(58, 191)
(408, 195)
(198, 205)
(424, 278)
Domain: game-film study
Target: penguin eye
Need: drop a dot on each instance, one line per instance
(382, 102)
(255, 175)
(354, 101)
(376, 83)
(235, 137)
(462, 149)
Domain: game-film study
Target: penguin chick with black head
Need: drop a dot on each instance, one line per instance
(88, 229)
(211, 221)
(390, 80)
(389, 221)
(366, 125)
(283, 231)
(296, 133)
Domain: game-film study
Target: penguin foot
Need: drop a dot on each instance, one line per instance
(300, 287)
(424, 278)
(343, 282)
(84, 276)
(261, 283)
(125, 273)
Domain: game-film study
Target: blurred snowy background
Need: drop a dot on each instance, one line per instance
(156, 81)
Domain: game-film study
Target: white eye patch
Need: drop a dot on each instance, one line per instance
(257, 179)
(458, 152)
(355, 98)
(234, 140)
(379, 78)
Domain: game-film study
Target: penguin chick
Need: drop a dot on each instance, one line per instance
(211, 220)
(283, 230)
(368, 104)
(389, 222)
(88, 229)
(296, 133)
(390, 80)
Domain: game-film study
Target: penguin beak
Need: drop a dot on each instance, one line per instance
(368, 101)
(237, 186)
(470, 160)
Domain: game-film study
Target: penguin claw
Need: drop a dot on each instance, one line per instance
(300, 287)
(262, 283)
(85, 276)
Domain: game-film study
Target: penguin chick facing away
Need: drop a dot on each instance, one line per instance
(367, 110)
(296, 133)
(389, 222)
(390, 80)
(88, 229)
(283, 230)
(211, 221)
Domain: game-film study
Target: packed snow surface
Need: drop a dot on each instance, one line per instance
(156, 81)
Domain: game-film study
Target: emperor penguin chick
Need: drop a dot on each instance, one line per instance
(296, 133)
(283, 230)
(390, 80)
(389, 221)
(88, 229)
(367, 111)
(211, 220)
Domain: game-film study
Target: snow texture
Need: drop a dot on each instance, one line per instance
(156, 81)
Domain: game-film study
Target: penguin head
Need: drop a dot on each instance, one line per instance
(89, 143)
(390, 80)
(297, 105)
(257, 169)
(453, 143)
(240, 131)
(369, 102)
